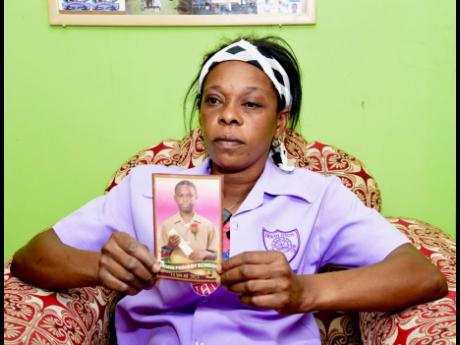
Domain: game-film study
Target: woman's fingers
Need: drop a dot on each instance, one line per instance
(255, 287)
(111, 282)
(262, 280)
(129, 262)
(244, 273)
(255, 264)
(134, 248)
(126, 265)
(249, 272)
(271, 301)
(120, 273)
(250, 258)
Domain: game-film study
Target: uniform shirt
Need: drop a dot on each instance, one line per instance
(313, 219)
(202, 239)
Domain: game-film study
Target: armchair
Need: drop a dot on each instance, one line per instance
(84, 316)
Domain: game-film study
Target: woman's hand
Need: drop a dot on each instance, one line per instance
(264, 280)
(126, 265)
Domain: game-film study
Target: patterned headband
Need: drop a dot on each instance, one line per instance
(247, 52)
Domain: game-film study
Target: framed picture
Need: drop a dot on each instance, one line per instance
(188, 226)
(181, 12)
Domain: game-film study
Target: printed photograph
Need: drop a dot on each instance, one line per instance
(152, 7)
(295, 6)
(182, 7)
(92, 6)
(191, 7)
(187, 226)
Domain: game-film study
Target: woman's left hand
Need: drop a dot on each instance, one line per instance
(264, 280)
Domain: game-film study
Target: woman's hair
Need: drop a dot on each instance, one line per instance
(270, 46)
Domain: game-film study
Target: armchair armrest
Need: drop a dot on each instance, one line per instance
(427, 323)
(39, 316)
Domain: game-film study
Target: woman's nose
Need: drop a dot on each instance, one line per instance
(230, 116)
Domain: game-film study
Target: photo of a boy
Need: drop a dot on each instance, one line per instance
(186, 234)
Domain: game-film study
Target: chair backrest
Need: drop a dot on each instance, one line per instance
(315, 156)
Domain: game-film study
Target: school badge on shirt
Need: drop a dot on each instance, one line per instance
(286, 242)
(204, 289)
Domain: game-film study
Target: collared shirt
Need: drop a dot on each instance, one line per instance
(202, 237)
(313, 219)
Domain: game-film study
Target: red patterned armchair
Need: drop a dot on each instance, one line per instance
(83, 316)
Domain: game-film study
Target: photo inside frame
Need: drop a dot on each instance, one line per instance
(187, 226)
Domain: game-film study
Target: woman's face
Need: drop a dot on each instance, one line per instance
(238, 115)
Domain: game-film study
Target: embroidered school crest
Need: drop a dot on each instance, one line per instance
(286, 242)
(204, 289)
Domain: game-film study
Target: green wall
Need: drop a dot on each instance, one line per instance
(378, 81)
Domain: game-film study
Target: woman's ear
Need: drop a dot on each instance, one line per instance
(282, 122)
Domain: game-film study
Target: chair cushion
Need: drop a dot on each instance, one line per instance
(315, 156)
(39, 316)
(336, 329)
(426, 323)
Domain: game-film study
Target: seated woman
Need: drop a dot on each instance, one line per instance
(285, 225)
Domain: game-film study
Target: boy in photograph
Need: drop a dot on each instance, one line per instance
(186, 233)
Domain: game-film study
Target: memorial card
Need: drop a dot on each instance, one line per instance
(187, 211)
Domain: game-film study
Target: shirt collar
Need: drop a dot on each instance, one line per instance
(203, 169)
(178, 217)
(273, 181)
(276, 182)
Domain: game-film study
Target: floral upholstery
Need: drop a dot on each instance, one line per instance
(427, 323)
(39, 316)
(84, 316)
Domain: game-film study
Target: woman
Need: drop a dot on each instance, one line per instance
(247, 94)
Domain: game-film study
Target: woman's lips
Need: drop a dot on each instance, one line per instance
(228, 142)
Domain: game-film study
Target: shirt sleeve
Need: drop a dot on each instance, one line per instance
(90, 227)
(352, 234)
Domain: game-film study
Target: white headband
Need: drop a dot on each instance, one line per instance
(247, 52)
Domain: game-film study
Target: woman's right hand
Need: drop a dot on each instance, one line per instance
(125, 265)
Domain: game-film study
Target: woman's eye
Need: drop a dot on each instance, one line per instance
(252, 105)
(212, 100)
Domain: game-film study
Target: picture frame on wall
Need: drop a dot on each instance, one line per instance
(181, 12)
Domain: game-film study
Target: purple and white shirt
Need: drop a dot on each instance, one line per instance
(313, 219)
